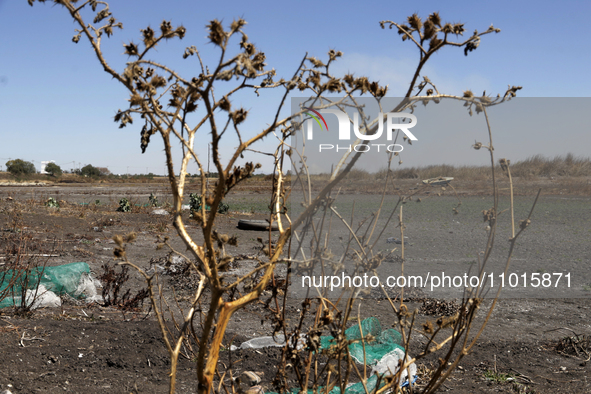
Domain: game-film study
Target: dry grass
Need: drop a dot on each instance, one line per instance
(531, 168)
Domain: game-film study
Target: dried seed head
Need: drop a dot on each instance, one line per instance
(118, 240)
(119, 253)
(224, 104)
(216, 32)
(131, 49)
(435, 18)
(130, 237)
(468, 93)
(165, 28)
(429, 30)
(504, 163)
(415, 22)
(524, 223)
(428, 327)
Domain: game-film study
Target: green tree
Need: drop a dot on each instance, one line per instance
(53, 169)
(20, 167)
(90, 170)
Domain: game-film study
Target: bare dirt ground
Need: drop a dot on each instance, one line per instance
(528, 346)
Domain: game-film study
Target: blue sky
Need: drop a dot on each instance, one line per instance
(56, 102)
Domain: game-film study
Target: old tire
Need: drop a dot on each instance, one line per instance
(256, 225)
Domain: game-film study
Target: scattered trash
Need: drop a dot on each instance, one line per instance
(441, 181)
(388, 365)
(87, 289)
(254, 390)
(393, 240)
(42, 298)
(262, 342)
(48, 283)
(160, 212)
(384, 352)
(253, 378)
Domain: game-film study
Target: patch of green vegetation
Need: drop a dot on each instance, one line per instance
(195, 201)
(124, 205)
(153, 200)
(52, 203)
(497, 377)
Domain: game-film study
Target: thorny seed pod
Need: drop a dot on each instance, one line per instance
(317, 63)
(428, 327)
(459, 29)
(446, 321)
(249, 48)
(488, 215)
(119, 253)
(130, 237)
(102, 14)
(135, 100)
(415, 22)
(181, 31)
(435, 18)
(504, 163)
(148, 34)
(512, 91)
(468, 93)
(145, 137)
(472, 45)
(216, 32)
(349, 80)
(118, 240)
(224, 104)
(239, 116)
(76, 38)
(327, 317)
(158, 81)
(429, 30)
(165, 28)
(477, 145)
(237, 24)
(131, 49)
(524, 223)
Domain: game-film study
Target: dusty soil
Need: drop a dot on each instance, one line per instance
(92, 348)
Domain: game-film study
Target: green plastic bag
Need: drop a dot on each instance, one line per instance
(62, 279)
(383, 343)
